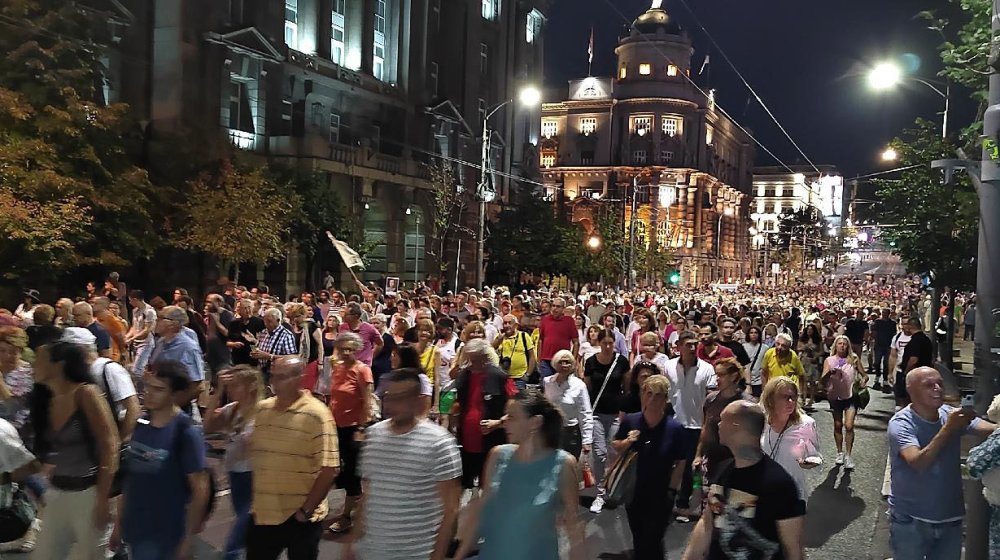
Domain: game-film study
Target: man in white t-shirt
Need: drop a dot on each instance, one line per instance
(112, 379)
(141, 331)
(411, 472)
(447, 347)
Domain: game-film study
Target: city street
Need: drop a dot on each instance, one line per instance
(843, 509)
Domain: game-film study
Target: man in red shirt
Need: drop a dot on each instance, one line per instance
(556, 332)
(709, 348)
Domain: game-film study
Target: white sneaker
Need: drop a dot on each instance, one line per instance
(840, 458)
(848, 463)
(597, 506)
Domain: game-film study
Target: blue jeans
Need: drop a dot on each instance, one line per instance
(918, 540)
(152, 550)
(521, 382)
(241, 493)
(545, 368)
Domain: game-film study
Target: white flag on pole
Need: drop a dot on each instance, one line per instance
(351, 257)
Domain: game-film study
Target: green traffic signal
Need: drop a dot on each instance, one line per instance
(675, 277)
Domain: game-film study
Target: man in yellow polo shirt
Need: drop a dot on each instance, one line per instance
(294, 456)
(516, 349)
(781, 360)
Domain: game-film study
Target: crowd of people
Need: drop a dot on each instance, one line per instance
(681, 405)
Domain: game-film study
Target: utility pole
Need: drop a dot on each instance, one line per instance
(985, 175)
(630, 278)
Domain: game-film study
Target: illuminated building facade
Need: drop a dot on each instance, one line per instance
(367, 92)
(647, 139)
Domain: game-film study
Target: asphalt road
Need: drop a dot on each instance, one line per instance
(843, 508)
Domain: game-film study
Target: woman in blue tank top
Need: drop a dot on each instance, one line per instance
(530, 488)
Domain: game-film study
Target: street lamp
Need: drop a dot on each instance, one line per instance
(887, 75)
(530, 97)
(594, 242)
(890, 154)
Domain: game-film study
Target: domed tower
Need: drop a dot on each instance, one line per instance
(653, 58)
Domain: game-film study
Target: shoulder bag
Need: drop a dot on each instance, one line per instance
(605, 384)
(17, 513)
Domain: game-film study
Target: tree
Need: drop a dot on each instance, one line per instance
(524, 237)
(800, 236)
(449, 206)
(63, 150)
(938, 224)
(605, 262)
(237, 215)
(965, 51)
(654, 262)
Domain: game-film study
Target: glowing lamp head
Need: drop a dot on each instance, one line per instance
(594, 242)
(884, 75)
(530, 96)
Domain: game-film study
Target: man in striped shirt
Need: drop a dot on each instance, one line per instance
(294, 455)
(411, 472)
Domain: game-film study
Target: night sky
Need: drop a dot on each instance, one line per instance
(806, 59)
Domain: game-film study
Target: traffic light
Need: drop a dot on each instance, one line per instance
(675, 277)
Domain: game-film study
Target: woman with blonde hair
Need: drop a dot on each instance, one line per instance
(472, 331)
(16, 379)
(840, 371)
(309, 341)
(790, 437)
(243, 386)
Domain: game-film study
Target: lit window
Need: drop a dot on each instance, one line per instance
(588, 125)
(622, 72)
(639, 157)
(378, 62)
(709, 134)
(645, 69)
(334, 128)
(337, 32)
(240, 123)
(533, 26)
(291, 23)
(666, 157)
(548, 160)
(491, 9)
(641, 125)
(671, 70)
(550, 128)
(484, 58)
(671, 126)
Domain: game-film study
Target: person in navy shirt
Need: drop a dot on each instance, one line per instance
(658, 440)
(166, 484)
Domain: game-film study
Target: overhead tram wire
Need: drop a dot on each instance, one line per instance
(747, 84)
(718, 106)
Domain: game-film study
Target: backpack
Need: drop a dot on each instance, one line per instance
(184, 423)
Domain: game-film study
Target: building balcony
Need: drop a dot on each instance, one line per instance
(354, 160)
(319, 65)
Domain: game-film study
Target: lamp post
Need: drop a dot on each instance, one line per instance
(530, 97)
(887, 75)
(727, 211)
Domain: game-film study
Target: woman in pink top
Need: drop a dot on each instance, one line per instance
(839, 372)
(351, 385)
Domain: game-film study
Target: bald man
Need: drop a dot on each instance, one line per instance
(926, 501)
(83, 316)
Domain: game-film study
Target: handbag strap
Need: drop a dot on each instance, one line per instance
(756, 354)
(606, 378)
